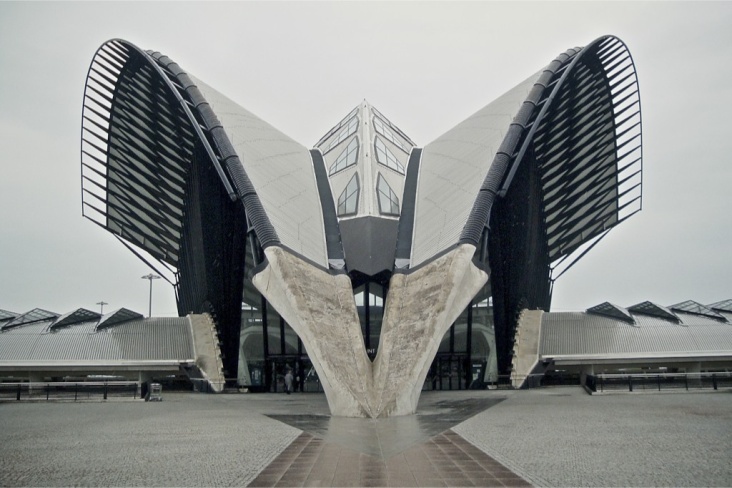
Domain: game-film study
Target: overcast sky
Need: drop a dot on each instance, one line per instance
(426, 66)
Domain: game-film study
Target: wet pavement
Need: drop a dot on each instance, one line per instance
(545, 437)
(416, 450)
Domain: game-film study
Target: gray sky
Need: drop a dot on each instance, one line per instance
(427, 66)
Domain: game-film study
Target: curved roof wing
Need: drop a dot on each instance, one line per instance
(578, 121)
(144, 123)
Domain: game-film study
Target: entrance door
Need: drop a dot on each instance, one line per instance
(448, 372)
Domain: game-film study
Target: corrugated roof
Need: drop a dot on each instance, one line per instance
(582, 334)
(140, 339)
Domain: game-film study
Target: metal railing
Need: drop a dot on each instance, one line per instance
(654, 382)
(69, 391)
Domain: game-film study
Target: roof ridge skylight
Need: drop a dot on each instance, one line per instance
(117, 317)
(611, 310)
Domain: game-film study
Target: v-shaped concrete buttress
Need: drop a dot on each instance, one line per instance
(420, 308)
(321, 310)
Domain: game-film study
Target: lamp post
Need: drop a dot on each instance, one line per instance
(102, 303)
(150, 277)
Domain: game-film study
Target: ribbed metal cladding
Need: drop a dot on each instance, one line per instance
(498, 173)
(576, 333)
(588, 146)
(151, 176)
(136, 150)
(142, 339)
(223, 152)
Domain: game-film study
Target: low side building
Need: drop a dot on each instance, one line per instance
(43, 346)
(646, 338)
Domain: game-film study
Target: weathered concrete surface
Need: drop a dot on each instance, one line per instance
(526, 346)
(208, 356)
(420, 308)
(321, 310)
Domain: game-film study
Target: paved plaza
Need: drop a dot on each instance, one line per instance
(544, 437)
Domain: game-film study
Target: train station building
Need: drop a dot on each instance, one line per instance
(368, 263)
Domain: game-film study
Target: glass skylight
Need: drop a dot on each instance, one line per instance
(382, 129)
(385, 157)
(388, 200)
(347, 158)
(118, 317)
(345, 133)
(348, 201)
(35, 315)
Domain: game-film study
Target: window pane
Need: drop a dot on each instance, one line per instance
(346, 158)
(348, 201)
(385, 157)
(388, 200)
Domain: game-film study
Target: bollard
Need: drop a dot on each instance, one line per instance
(658, 378)
(17, 397)
(105, 390)
(714, 381)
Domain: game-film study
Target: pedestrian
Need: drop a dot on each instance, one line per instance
(288, 381)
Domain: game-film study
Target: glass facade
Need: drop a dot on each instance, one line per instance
(466, 358)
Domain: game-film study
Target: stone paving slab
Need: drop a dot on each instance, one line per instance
(565, 437)
(444, 460)
(550, 437)
(185, 440)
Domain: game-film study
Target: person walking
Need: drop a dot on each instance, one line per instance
(288, 381)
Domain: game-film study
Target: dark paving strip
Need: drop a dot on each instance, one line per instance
(387, 437)
(442, 460)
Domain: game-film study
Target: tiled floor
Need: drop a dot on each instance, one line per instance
(445, 459)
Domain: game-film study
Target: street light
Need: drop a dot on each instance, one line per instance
(150, 277)
(102, 303)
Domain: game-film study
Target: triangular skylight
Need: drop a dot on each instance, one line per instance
(609, 310)
(35, 315)
(76, 317)
(724, 306)
(654, 310)
(5, 315)
(692, 307)
(117, 317)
